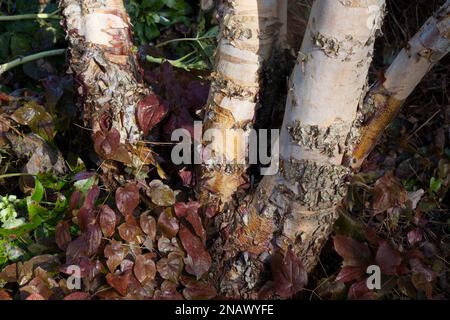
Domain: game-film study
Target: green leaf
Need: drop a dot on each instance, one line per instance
(35, 210)
(20, 44)
(213, 32)
(151, 31)
(4, 46)
(38, 192)
(435, 185)
(85, 185)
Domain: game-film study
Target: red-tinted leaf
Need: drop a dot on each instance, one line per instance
(75, 200)
(348, 274)
(78, 295)
(91, 197)
(189, 211)
(267, 291)
(197, 290)
(84, 263)
(126, 265)
(93, 236)
(388, 259)
(148, 225)
(35, 296)
(186, 177)
(130, 231)
(168, 224)
(168, 291)
(372, 237)
(183, 209)
(127, 198)
(194, 219)
(9, 273)
(200, 260)
(360, 291)
(170, 268)
(288, 272)
(420, 283)
(86, 218)
(106, 143)
(180, 120)
(417, 266)
(107, 220)
(115, 252)
(415, 236)
(355, 254)
(161, 194)
(119, 282)
(211, 211)
(198, 94)
(62, 235)
(83, 175)
(36, 286)
(388, 193)
(422, 277)
(150, 111)
(77, 248)
(144, 268)
(4, 295)
(166, 245)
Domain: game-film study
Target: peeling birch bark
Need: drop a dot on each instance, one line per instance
(297, 207)
(107, 72)
(384, 101)
(248, 31)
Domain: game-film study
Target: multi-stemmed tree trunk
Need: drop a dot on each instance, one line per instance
(324, 134)
(329, 128)
(296, 207)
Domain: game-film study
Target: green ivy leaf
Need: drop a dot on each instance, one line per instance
(151, 31)
(38, 192)
(435, 185)
(20, 44)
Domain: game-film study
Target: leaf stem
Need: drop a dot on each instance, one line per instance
(21, 60)
(19, 174)
(52, 15)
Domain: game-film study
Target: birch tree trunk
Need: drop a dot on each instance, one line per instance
(296, 207)
(385, 99)
(110, 86)
(248, 31)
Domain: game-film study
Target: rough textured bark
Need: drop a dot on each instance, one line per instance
(297, 206)
(106, 70)
(386, 98)
(248, 31)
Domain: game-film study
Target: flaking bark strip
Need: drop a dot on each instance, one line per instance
(316, 186)
(329, 141)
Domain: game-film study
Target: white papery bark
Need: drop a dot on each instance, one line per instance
(297, 207)
(248, 31)
(424, 50)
